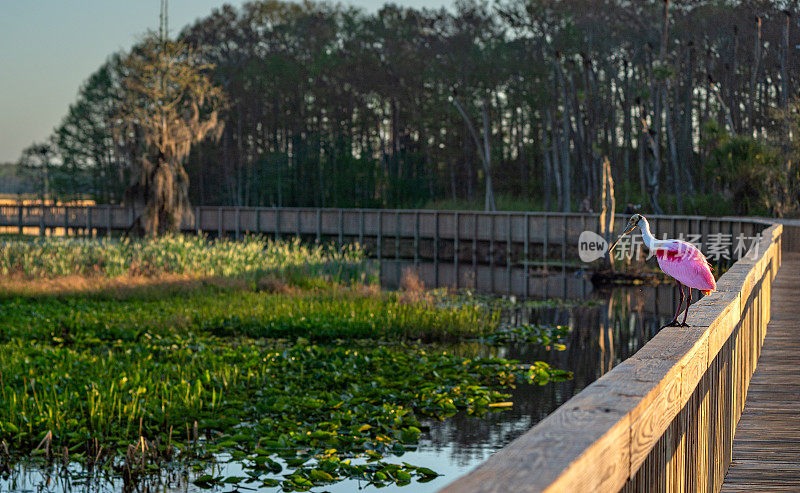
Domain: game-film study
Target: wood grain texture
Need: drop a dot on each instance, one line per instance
(552, 456)
(679, 399)
(766, 447)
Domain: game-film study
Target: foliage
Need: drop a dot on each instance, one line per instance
(740, 166)
(90, 140)
(783, 183)
(169, 103)
(317, 315)
(130, 385)
(253, 258)
(329, 105)
(14, 182)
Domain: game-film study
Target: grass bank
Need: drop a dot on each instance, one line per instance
(253, 258)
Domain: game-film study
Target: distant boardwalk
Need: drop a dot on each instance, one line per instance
(766, 447)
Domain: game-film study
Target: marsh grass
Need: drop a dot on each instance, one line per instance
(253, 258)
(134, 383)
(221, 310)
(126, 358)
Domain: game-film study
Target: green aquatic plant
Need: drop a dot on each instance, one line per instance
(316, 315)
(303, 387)
(198, 256)
(548, 336)
(298, 402)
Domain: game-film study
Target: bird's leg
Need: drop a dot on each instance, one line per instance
(674, 322)
(686, 313)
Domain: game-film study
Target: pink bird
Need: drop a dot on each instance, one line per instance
(678, 259)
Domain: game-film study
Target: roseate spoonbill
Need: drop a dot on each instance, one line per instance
(678, 259)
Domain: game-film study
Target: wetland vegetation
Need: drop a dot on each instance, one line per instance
(128, 357)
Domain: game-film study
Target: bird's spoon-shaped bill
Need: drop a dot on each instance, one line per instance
(615, 243)
(627, 230)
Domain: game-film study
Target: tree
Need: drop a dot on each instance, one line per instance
(334, 106)
(742, 167)
(36, 166)
(485, 154)
(169, 105)
(94, 160)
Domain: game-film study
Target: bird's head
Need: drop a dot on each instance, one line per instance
(634, 221)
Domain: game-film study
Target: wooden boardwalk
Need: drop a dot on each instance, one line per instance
(766, 447)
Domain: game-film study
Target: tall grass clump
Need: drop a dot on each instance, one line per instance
(254, 257)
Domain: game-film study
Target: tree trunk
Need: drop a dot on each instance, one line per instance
(754, 78)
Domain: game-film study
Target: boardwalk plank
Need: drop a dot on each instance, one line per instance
(766, 446)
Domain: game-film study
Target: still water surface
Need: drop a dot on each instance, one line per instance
(607, 327)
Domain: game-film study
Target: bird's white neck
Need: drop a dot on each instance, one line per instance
(647, 237)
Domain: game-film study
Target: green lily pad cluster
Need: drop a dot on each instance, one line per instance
(550, 336)
(302, 387)
(243, 396)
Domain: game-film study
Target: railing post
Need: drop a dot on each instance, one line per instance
(341, 227)
(436, 248)
(564, 246)
(416, 238)
(455, 249)
(319, 226)
(108, 221)
(475, 247)
(380, 235)
(361, 227)
(508, 253)
(526, 267)
(545, 245)
(41, 220)
(89, 222)
(236, 217)
(492, 232)
(397, 244)
(19, 219)
(564, 259)
(66, 221)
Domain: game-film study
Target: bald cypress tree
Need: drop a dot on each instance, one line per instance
(169, 104)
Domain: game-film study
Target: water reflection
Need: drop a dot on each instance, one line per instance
(607, 326)
(616, 325)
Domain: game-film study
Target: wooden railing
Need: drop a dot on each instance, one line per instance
(662, 420)
(496, 252)
(536, 227)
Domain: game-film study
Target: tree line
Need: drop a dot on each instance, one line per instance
(692, 103)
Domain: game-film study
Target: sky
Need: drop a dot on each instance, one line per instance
(49, 47)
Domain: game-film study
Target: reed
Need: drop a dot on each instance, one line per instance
(254, 257)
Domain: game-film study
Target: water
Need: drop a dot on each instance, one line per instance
(610, 328)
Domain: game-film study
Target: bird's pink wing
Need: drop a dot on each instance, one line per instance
(687, 264)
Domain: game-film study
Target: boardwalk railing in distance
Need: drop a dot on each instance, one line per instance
(662, 420)
(494, 252)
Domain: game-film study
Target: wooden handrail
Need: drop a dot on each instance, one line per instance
(664, 419)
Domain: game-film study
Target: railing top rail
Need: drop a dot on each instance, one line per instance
(599, 439)
(757, 220)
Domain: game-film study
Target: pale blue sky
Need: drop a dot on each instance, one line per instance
(48, 48)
